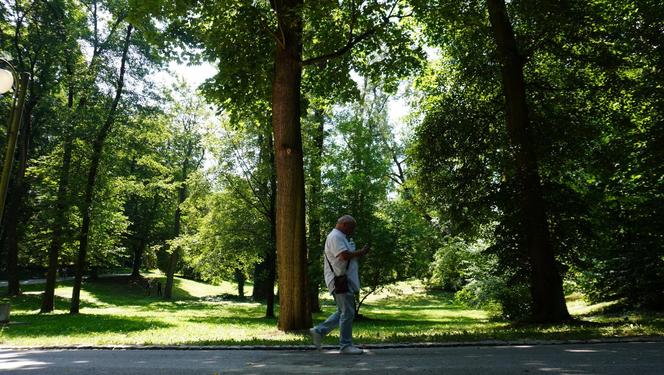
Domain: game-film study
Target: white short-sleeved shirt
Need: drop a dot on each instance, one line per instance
(335, 244)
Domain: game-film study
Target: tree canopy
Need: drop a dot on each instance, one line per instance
(529, 166)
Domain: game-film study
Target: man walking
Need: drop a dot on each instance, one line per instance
(340, 258)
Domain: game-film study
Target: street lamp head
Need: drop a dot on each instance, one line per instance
(6, 81)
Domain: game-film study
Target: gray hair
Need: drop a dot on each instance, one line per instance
(346, 219)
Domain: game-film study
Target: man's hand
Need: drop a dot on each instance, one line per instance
(365, 249)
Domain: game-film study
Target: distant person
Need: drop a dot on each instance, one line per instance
(148, 287)
(340, 258)
(159, 288)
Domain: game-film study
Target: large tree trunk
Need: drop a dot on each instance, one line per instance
(291, 236)
(86, 208)
(313, 216)
(546, 284)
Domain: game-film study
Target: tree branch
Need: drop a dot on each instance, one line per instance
(281, 41)
(352, 41)
(264, 24)
(249, 177)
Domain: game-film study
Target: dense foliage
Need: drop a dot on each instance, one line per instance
(118, 168)
(590, 71)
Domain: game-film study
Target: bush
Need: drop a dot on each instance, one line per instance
(493, 287)
(450, 265)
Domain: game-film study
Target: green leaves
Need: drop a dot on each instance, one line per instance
(590, 92)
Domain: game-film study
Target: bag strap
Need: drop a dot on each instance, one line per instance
(330, 264)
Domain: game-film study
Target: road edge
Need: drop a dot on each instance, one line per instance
(485, 343)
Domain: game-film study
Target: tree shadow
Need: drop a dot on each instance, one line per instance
(32, 299)
(432, 299)
(131, 291)
(245, 321)
(114, 291)
(30, 325)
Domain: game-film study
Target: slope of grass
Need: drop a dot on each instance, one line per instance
(117, 311)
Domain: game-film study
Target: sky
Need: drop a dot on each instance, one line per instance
(197, 74)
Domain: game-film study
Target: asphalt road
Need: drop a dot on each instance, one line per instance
(643, 358)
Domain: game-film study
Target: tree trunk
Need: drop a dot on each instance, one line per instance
(313, 206)
(61, 206)
(144, 222)
(271, 259)
(266, 160)
(240, 278)
(173, 261)
(135, 236)
(170, 274)
(48, 300)
(15, 122)
(260, 280)
(97, 149)
(265, 272)
(14, 206)
(291, 242)
(546, 284)
(138, 258)
(182, 195)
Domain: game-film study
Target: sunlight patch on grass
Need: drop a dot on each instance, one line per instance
(118, 311)
(578, 306)
(399, 289)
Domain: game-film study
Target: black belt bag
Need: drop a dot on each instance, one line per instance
(340, 282)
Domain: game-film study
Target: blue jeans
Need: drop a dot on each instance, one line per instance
(343, 318)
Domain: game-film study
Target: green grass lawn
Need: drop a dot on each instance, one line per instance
(115, 311)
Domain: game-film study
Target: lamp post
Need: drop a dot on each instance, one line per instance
(10, 78)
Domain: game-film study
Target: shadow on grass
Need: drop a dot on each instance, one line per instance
(117, 291)
(129, 291)
(31, 300)
(254, 321)
(29, 325)
(430, 317)
(432, 299)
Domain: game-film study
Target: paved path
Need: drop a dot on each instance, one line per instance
(36, 281)
(59, 279)
(642, 358)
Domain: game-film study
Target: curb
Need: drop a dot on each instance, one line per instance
(487, 343)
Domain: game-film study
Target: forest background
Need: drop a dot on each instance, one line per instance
(530, 166)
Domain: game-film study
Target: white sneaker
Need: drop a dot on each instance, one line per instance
(351, 350)
(316, 337)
